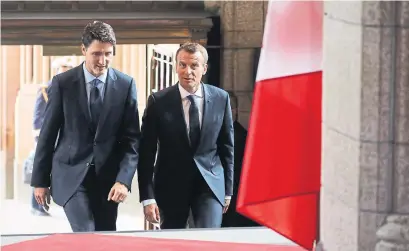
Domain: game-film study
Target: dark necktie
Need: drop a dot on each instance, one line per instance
(95, 102)
(194, 123)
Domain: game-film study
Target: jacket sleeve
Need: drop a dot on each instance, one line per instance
(225, 146)
(147, 151)
(53, 119)
(129, 141)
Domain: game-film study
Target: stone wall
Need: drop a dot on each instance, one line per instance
(242, 24)
(365, 168)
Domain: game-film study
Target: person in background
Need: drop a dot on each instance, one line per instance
(232, 218)
(61, 65)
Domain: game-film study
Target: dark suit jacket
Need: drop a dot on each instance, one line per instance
(163, 125)
(114, 146)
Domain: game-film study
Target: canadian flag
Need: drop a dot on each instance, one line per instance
(280, 179)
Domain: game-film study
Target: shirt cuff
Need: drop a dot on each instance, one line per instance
(227, 197)
(148, 202)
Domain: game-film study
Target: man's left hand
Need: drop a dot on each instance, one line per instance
(118, 193)
(226, 205)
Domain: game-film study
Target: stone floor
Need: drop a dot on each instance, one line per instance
(17, 219)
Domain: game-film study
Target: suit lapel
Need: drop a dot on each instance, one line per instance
(111, 91)
(207, 113)
(83, 98)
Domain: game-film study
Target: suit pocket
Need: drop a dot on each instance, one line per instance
(216, 166)
(63, 154)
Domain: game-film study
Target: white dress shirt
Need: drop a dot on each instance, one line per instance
(186, 105)
(89, 78)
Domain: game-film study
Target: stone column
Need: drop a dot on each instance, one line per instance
(365, 158)
(394, 233)
(9, 86)
(242, 25)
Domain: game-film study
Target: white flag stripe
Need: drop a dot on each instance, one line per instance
(292, 42)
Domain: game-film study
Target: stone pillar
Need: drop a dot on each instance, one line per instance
(242, 25)
(9, 86)
(365, 158)
(394, 233)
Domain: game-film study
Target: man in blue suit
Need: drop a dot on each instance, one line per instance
(190, 128)
(93, 110)
(62, 64)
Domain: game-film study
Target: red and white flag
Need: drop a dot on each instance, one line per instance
(280, 180)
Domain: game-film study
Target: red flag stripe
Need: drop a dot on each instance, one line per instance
(280, 180)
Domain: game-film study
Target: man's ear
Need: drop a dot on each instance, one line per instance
(83, 50)
(205, 69)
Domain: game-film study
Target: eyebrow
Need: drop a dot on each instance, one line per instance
(194, 62)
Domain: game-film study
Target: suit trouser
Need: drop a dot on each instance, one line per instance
(206, 210)
(88, 209)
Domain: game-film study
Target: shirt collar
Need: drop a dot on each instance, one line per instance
(184, 93)
(89, 77)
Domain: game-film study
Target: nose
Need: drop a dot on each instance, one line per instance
(102, 60)
(189, 70)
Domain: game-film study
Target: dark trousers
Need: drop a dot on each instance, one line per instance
(233, 219)
(206, 210)
(88, 209)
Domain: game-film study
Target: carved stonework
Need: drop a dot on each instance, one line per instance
(199, 35)
(394, 235)
(213, 7)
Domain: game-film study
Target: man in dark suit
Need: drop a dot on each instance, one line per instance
(190, 128)
(232, 218)
(93, 108)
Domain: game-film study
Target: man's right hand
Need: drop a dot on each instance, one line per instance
(151, 212)
(43, 196)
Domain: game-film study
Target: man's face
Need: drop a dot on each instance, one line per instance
(190, 69)
(98, 56)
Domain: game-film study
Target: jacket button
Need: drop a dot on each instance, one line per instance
(88, 164)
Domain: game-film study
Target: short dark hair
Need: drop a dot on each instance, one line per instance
(193, 48)
(99, 31)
